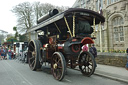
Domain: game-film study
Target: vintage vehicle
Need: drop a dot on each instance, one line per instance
(60, 40)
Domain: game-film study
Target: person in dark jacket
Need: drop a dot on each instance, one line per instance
(127, 59)
(6, 51)
(127, 51)
(93, 50)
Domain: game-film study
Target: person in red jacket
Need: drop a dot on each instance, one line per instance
(84, 48)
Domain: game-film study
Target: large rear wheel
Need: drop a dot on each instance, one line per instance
(86, 63)
(33, 55)
(58, 66)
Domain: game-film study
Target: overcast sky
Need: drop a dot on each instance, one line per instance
(8, 19)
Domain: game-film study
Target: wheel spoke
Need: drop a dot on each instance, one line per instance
(58, 61)
(55, 59)
(32, 57)
(84, 68)
(90, 63)
(32, 46)
(33, 62)
(88, 68)
(58, 74)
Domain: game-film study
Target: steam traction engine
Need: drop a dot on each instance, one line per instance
(60, 39)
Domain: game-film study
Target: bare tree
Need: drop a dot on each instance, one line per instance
(37, 10)
(41, 9)
(24, 15)
(62, 8)
(27, 13)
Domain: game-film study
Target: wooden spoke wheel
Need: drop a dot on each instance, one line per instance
(58, 66)
(86, 63)
(33, 55)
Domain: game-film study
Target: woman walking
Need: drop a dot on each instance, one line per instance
(10, 54)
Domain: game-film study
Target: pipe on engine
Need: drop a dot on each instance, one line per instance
(48, 15)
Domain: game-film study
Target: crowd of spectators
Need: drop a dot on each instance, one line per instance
(5, 53)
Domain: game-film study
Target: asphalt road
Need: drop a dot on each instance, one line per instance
(13, 72)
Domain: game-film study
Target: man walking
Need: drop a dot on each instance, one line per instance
(93, 51)
(127, 59)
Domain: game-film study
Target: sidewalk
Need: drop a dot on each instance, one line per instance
(112, 72)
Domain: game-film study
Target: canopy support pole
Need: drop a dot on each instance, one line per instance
(68, 26)
(94, 35)
(74, 25)
(57, 27)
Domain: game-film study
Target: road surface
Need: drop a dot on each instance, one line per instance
(13, 72)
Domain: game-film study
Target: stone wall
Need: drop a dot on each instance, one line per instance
(113, 59)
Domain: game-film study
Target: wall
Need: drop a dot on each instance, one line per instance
(113, 59)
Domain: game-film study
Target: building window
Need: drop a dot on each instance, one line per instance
(118, 29)
(112, 1)
(97, 7)
(101, 3)
(107, 2)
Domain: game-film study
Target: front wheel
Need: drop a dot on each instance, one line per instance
(58, 66)
(87, 63)
(33, 55)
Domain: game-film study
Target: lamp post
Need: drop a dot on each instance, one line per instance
(100, 36)
(11, 43)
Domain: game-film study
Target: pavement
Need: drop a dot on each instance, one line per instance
(112, 72)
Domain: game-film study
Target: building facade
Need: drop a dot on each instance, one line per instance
(114, 32)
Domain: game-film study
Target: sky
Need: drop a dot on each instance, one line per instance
(8, 19)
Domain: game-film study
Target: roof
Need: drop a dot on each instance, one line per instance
(86, 14)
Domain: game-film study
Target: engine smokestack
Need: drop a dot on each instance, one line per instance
(48, 15)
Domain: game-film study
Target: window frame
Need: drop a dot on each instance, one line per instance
(118, 29)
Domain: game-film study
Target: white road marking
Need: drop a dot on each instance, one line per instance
(19, 74)
(68, 80)
(9, 76)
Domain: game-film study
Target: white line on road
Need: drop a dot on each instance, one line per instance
(68, 80)
(9, 76)
(20, 74)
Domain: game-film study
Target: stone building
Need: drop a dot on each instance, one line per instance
(114, 32)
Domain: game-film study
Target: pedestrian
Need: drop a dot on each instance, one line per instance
(10, 54)
(93, 51)
(84, 48)
(6, 51)
(127, 59)
(2, 53)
